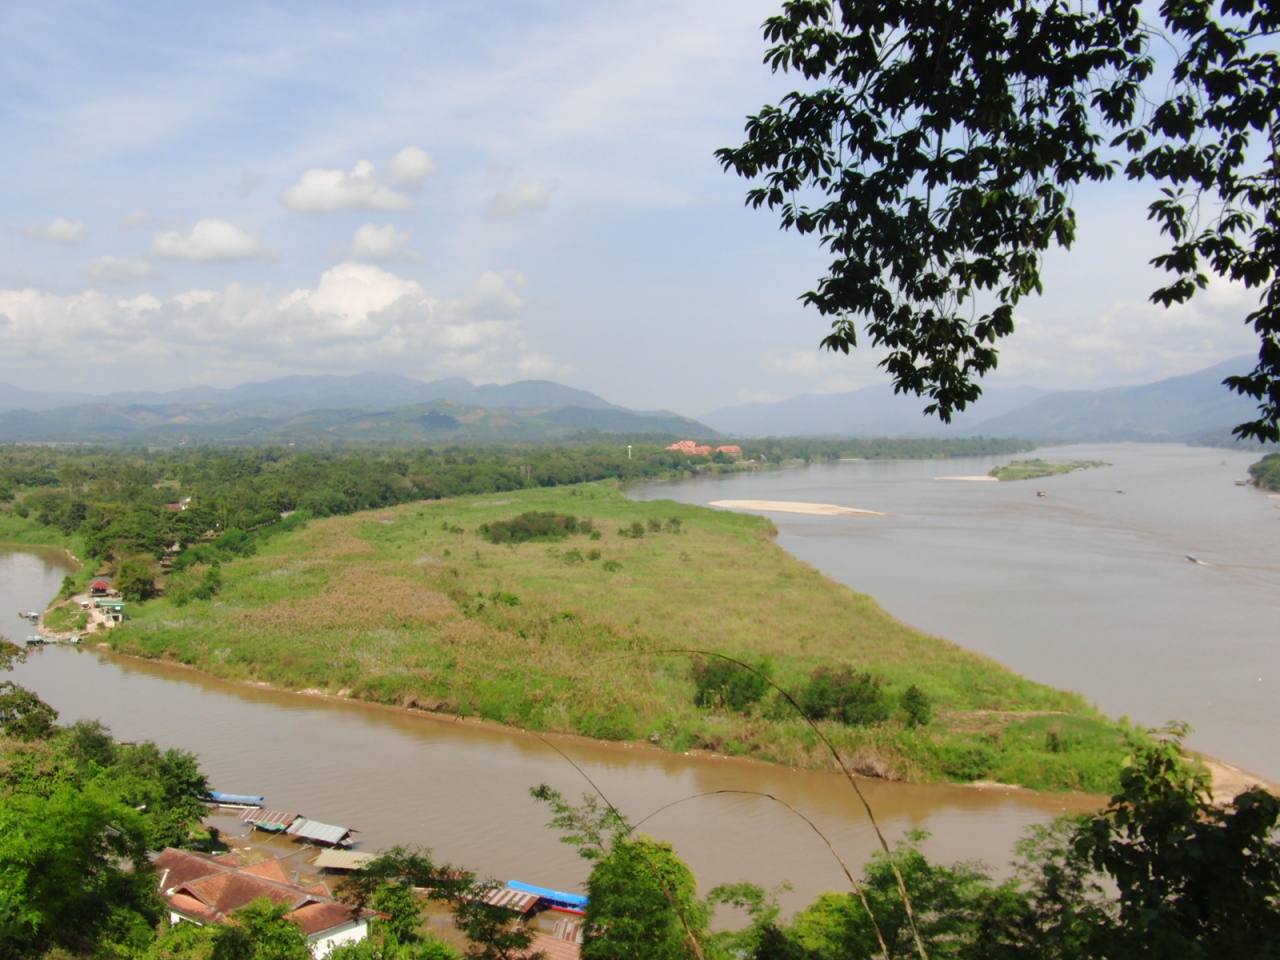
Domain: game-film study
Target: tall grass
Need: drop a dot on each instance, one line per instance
(413, 606)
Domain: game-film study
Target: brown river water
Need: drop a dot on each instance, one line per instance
(461, 788)
(1087, 588)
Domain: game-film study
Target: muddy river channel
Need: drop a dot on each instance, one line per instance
(462, 788)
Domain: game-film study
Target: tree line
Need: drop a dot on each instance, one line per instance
(115, 503)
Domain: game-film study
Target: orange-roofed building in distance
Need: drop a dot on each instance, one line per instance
(731, 451)
(690, 448)
(201, 888)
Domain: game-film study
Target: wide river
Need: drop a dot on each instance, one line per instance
(1088, 588)
(462, 788)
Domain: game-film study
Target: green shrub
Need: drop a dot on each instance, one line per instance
(613, 566)
(211, 583)
(136, 580)
(967, 761)
(723, 684)
(635, 531)
(535, 525)
(916, 706)
(573, 557)
(840, 694)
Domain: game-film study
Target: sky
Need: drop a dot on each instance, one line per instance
(219, 193)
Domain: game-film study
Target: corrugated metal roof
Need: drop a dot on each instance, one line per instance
(317, 831)
(342, 860)
(516, 900)
(569, 929)
(268, 819)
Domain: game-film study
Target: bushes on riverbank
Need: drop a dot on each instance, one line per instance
(1266, 472)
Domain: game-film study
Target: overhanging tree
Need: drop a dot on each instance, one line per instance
(937, 145)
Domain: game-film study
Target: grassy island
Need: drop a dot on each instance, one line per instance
(467, 606)
(1034, 469)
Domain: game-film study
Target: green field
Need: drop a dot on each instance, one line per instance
(1033, 469)
(411, 605)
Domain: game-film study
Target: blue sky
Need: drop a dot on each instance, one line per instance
(213, 193)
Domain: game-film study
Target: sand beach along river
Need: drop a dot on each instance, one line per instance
(1087, 588)
(461, 788)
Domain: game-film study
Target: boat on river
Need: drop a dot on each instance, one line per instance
(556, 899)
(234, 799)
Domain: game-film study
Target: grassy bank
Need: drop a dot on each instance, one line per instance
(412, 605)
(16, 529)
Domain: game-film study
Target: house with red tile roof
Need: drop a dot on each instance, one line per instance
(201, 888)
(690, 448)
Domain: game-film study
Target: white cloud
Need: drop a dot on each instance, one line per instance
(411, 167)
(519, 200)
(327, 191)
(826, 372)
(209, 241)
(357, 317)
(142, 220)
(122, 269)
(383, 243)
(1133, 341)
(59, 231)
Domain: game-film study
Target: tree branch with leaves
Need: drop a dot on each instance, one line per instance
(937, 145)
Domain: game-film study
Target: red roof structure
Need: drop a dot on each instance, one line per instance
(100, 585)
(732, 449)
(690, 448)
(207, 889)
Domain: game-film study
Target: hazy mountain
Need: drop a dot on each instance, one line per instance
(362, 391)
(870, 412)
(15, 398)
(1179, 408)
(441, 420)
(1191, 407)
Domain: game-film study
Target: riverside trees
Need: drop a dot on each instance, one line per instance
(936, 145)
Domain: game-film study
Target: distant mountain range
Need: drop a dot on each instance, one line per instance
(329, 408)
(870, 412)
(1194, 407)
(363, 391)
(370, 406)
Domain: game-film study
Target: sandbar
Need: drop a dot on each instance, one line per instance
(789, 506)
(972, 479)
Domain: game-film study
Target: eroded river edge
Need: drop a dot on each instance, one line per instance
(461, 787)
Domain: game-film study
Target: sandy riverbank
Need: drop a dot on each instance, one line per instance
(1228, 782)
(788, 506)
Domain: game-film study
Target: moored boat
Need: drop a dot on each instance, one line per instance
(571, 902)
